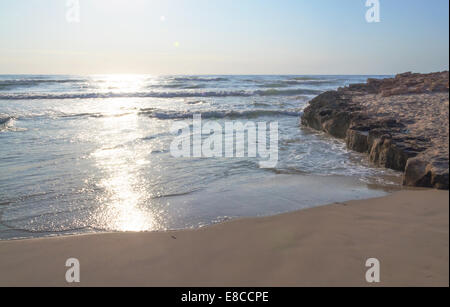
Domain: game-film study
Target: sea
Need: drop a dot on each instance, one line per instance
(88, 154)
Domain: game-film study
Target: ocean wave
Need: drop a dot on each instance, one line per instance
(261, 104)
(294, 82)
(274, 85)
(201, 79)
(290, 92)
(306, 78)
(5, 120)
(287, 171)
(94, 115)
(312, 82)
(175, 94)
(34, 96)
(160, 114)
(177, 86)
(7, 124)
(53, 114)
(35, 82)
(195, 102)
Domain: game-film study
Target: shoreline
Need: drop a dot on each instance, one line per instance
(321, 246)
(385, 189)
(269, 196)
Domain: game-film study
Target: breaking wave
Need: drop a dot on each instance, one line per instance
(240, 93)
(295, 82)
(160, 114)
(200, 79)
(291, 92)
(7, 124)
(4, 120)
(36, 82)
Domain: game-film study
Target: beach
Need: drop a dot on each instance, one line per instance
(407, 231)
(231, 144)
(89, 172)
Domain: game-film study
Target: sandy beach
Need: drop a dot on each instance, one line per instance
(408, 232)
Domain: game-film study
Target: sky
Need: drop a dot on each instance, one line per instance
(223, 37)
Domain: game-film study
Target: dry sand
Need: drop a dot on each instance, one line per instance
(407, 231)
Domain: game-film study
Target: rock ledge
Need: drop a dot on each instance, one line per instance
(402, 123)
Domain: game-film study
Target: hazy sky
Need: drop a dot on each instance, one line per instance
(223, 37)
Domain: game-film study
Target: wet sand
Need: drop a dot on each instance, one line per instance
(408, 232)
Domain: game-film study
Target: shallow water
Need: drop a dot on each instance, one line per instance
(82, 154)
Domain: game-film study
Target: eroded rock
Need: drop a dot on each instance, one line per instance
(401, 123)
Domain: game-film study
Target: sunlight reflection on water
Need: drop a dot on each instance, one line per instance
(125, 203)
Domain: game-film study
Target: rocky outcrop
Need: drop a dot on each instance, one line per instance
(402, 123)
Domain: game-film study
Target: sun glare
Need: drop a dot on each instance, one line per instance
(125, 203)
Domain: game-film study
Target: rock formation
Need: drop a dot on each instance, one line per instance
(402, 123)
